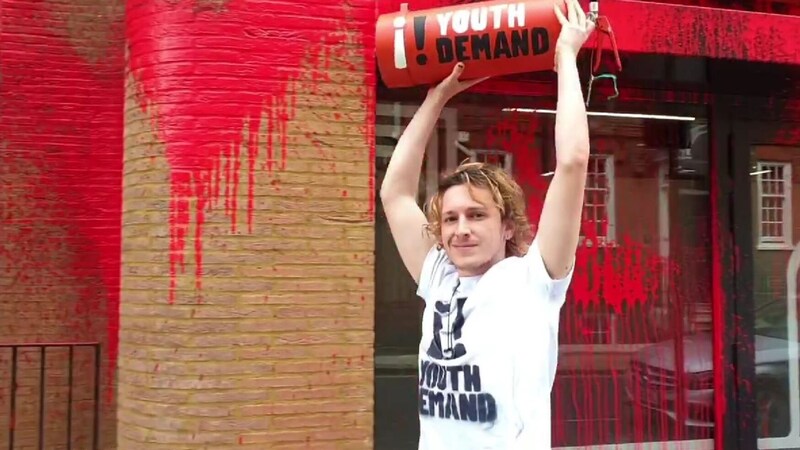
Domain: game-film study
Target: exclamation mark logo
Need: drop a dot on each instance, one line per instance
(399, 43)
(419, 39)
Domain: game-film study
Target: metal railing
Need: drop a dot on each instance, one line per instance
(13, 383)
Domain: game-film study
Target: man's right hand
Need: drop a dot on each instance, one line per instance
(451, 86)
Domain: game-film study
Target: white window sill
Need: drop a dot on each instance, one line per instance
(774, 246)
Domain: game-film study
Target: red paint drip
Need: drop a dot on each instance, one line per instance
(719, 245)
(515, 134)
(628, 276)
(212, 80)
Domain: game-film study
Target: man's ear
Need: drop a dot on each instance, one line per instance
(508, 231)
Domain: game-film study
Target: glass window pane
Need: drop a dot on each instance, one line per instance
(635, 361)
(639, 310)
(775, 277)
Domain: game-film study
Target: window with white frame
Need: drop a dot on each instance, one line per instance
(494, 157)
(390, 122)
(598, 205)
(774, 205)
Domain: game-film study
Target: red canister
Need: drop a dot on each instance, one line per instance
(491, 38)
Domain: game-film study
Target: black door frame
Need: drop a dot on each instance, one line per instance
(749, 108)
(734, 322)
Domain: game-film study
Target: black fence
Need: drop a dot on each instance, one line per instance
(13, 352)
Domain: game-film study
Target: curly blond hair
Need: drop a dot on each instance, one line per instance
(507, 195)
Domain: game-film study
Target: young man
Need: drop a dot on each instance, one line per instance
(489, 331)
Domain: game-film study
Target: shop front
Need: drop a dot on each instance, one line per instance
(681, 327)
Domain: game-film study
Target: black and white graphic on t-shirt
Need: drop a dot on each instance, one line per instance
(454, 392)
(448, 319)
(447, 391)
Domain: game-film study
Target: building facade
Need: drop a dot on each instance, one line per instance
(188, 190)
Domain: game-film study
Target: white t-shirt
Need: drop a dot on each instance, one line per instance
(488, 354)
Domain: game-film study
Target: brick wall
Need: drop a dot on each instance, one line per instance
(247, 281)
(60, 173)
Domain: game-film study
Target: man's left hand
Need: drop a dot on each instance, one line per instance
(575, 29)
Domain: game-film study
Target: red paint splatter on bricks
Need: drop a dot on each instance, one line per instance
(367, 42)
(61, 129)
(215, 79)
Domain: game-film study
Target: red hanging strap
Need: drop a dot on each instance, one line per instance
(604, 30)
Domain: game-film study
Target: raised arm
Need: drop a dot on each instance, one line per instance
(399, 188)
(559, 224)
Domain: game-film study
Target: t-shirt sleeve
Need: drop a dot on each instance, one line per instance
(434, 268)
(556, 288)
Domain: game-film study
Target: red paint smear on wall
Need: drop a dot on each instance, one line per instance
(681, 31)
(214, 78)
(63, 115)
(516, 134)
(720, 245)
(623, 274)
(626, 273)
